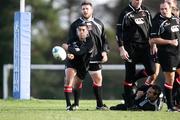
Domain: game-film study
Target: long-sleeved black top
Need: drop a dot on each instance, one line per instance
(167, 29)
(133, 26)
(82, 51)
(96, 32)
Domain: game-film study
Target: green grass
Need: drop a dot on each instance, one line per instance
(55, 110)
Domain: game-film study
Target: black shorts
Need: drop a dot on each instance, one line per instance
(168, 63)
(139, 55)
(95, 66)
(81, 71)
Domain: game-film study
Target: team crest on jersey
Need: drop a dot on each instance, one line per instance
(175, 28)
(139, 21)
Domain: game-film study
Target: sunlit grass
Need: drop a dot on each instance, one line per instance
(55, 110)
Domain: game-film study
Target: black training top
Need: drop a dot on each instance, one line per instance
(167, 29)
(82, 51)
(133, 26)
(97, 33)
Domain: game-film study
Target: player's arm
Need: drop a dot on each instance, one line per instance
(105, 46)
(155, 35)
(156, 39)
(69, 55)
(140, 92)
(105, 51)
(104, 40)
(161, 41)
(153, 47)
(119, 37)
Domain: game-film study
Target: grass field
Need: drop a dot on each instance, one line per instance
(55, 110)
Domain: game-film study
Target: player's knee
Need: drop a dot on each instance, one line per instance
(96, 77)
(99, 83)
(153, 77)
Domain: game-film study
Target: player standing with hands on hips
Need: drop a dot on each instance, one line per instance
(132, 35)
(99, 55)
(77, 62)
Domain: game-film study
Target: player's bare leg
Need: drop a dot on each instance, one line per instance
(152, 79)
(69, 79)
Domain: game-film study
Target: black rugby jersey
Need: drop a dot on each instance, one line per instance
(82, 51)
(97, 33)
(167, 29)
(133, 25)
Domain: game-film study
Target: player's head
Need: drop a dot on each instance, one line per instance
(86, 9)
(153, 92)
(176, 11)
(165, 9)
(136, 3)
(173, 3)
(82, 31)
(174, 6)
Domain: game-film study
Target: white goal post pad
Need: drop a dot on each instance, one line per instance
(22, 55)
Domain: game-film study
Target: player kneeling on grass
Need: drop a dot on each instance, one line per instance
(77, 62)
(145, 99)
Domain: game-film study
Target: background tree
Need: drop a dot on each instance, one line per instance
(7, 8)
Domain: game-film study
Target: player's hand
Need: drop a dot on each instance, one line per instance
(70, 56)
(153, 49)
(104, 57)
(152, 41)
(123, 53)
(174, 42)
(65, 46)
(139, 94)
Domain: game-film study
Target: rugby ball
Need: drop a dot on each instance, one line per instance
(59, 53)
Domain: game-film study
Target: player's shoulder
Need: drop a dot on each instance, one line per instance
(144, 7)
(126, 10)
(98, 21)
(77, 22)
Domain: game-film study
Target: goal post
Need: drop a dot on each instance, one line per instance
(22, 53)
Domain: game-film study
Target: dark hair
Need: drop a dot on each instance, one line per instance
(163, 2)
(86, 2)
(82, 24)
(157, 90)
